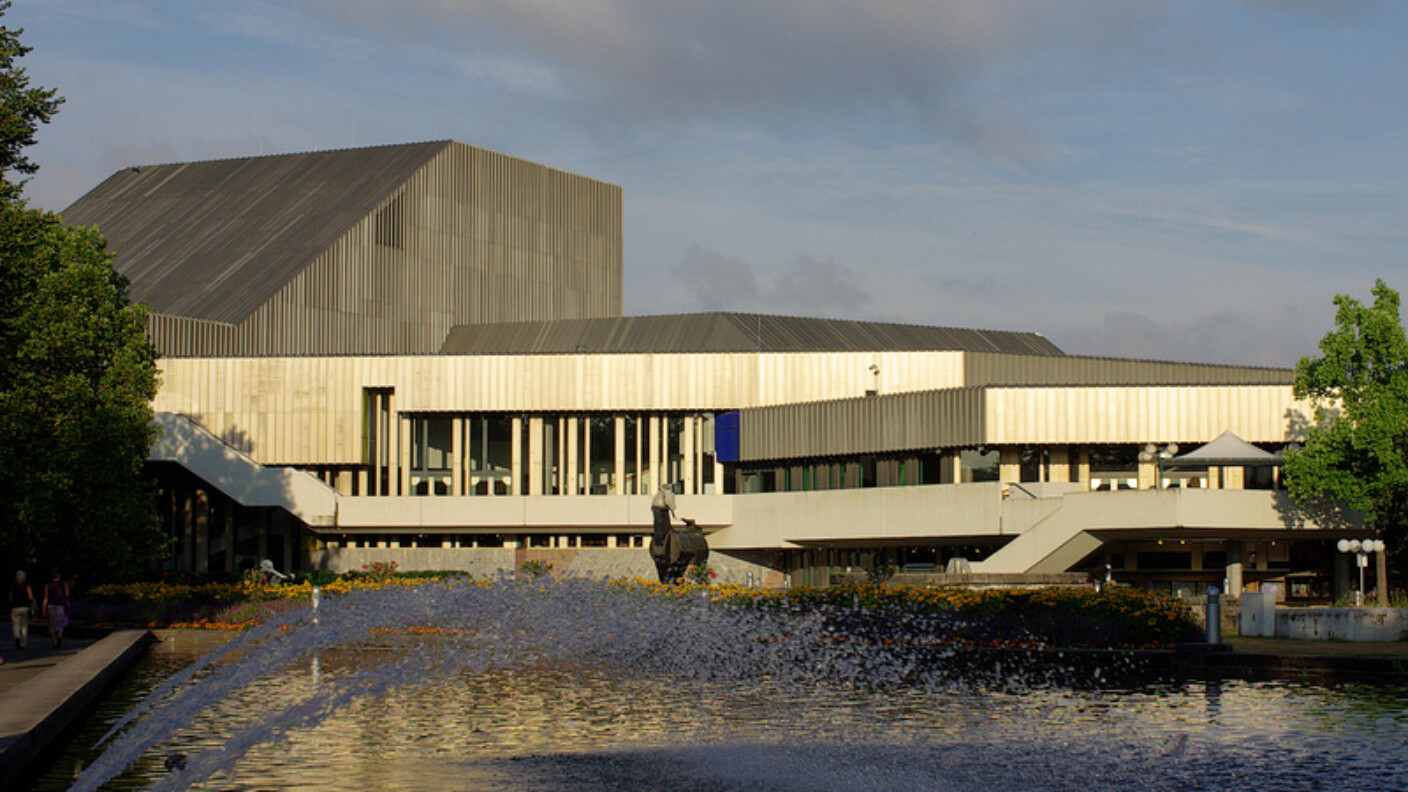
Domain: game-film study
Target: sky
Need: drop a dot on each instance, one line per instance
(1175, 180)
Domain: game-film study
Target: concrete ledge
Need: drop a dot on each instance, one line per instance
(34, 715)
(1342, 624)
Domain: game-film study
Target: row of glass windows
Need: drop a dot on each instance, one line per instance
(483, 541)
(552, 454)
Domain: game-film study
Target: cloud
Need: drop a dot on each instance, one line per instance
(1254, 337)
(822, 287)
(711, 281)
(921, 64)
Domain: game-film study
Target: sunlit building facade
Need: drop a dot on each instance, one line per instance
(416, 353)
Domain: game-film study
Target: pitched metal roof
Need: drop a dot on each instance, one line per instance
(729, 332)
(215, 240)
(1227, 449)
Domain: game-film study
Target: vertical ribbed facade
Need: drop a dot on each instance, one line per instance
(472, 236)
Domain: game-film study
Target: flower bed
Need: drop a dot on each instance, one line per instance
(221, 606)
(1064, 617)
(1117, 617)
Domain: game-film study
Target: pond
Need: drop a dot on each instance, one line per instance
(558, 689)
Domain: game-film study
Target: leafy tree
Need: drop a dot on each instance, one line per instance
(77, 374)
(1357, 449)
(22, 110)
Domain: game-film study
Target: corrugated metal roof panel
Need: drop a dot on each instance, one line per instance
(730, 332)
(215, 240)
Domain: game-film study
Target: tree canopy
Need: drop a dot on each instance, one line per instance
(77, 374)
(1357, 449)
(22, 110)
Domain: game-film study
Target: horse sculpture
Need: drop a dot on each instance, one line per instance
(675, 550)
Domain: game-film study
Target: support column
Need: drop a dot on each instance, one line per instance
(571, 476)
(457, 448)
(403, 456)
(1083, 468)
(657, 476)
(515, 462)
(381, 456)
(1233, 478)
(687, 454)
(1009, 465)
(1380, 577)
(618, 458)
(952, 463)
(1234, 569)
(559, 473)
(1060, 465)
(535, 455)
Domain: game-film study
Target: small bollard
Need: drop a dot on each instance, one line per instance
(1214, 615)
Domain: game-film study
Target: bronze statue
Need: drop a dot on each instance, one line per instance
(674, 549)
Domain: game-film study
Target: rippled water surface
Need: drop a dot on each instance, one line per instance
(560, 699)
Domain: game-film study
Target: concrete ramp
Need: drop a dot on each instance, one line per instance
(192, 446)
(1053, 539)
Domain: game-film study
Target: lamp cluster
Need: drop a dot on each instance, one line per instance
(1362, 549)
(1356, 546)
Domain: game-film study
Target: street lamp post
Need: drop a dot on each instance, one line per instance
(1159, 456)
(1361, 552)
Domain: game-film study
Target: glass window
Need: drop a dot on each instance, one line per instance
(1114, 467)
(632, 442)
(1035, 461)
(601, 466)
(980, 465)
(430, 443)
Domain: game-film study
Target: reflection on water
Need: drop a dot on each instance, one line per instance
(569, 723)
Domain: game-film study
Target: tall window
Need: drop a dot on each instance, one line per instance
(1114, 467)
(601, 458)
(431, 444)
(980, 465)
(431, 452)
(489, 454)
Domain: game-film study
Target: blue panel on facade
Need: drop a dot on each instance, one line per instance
(726, 437)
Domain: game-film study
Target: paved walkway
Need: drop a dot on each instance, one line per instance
(22, 665)
(38, 709)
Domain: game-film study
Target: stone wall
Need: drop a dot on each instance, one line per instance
(1342, 624)
(758, 569)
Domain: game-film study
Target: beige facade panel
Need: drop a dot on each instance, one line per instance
(1133, 414)
(998, 369)
(1020, 416)
(309, 410)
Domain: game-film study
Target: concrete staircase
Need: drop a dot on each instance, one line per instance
(187, 443)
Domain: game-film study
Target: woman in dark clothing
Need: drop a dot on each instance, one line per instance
(56, 608)
(21, 601)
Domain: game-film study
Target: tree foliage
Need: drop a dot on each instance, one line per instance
(22, 110)
(1357, 449)
(77, 374)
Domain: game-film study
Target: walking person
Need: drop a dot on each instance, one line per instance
(56, 608)
(21, 609)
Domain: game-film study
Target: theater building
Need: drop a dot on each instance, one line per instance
(417, 353)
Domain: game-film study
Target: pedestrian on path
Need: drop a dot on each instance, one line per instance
(56, 608)
(21, 609)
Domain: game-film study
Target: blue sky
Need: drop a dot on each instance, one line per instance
(1173, 180)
